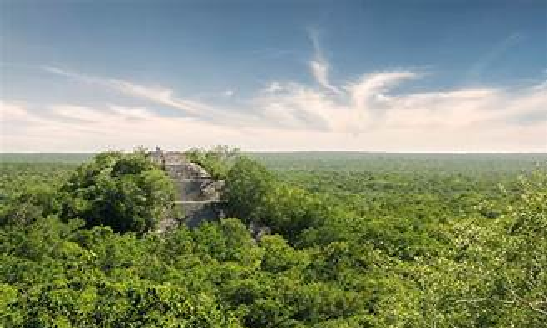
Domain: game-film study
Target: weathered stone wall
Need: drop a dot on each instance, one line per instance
(199, 212)
(197, 193)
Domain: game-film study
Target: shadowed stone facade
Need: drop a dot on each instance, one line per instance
(197, 193)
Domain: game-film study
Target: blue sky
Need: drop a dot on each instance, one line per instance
(274, 75)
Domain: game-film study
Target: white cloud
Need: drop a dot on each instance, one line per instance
(17, 114)
(111, 113)
(369, 113)
(228, 93)
(132, 112)
(273, 87)
(79, 128)
(320, 71)
(368, 94)
(159, 95)
(319, 65)
(10, 111)
(542, 86)
(79, 113)
(474, 119)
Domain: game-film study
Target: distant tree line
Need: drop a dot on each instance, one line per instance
(396, 249)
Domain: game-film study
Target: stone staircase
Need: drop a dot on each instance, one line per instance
(197, 193)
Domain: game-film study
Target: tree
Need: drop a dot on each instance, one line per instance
(124, 191)
(216, 161)
(248, 183)
(35, 202)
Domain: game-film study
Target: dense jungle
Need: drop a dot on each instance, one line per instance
(354, 240)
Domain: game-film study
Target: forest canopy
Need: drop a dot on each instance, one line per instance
(126, 192)
(370, 240)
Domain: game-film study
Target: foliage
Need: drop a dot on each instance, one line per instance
(248, 183)
(123, 191)
(255, 195)
(29, 191)
(216, 161)
(356, 242)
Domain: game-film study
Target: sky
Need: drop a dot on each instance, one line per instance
(395, 76)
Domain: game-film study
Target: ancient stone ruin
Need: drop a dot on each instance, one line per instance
(197, 193)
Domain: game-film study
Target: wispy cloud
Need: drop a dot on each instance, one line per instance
(490, 57)
(228, 93)
(319, 65)
(273, 87)
(369, 95)
(370, 110)
(158, 95)
(69, 127)
(364, 104)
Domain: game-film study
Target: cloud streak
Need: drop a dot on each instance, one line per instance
(158, 95)
(319, 65)
(356, 114)
(491, 56)
(359, 106)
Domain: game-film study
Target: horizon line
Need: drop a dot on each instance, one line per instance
(301, 151)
